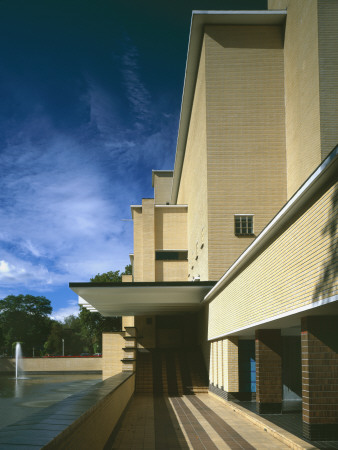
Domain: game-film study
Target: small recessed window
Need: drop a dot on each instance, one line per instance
(244, 225)
(171, 255)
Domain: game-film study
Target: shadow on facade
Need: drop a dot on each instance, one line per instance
(327, 285)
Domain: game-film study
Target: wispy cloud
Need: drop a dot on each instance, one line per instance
(72, 309)
(56, 214)
(63, 193)
(136, 92)
(16, 272)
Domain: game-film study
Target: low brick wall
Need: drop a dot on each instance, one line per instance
(93, 429)
(85, 420)
(60, 364)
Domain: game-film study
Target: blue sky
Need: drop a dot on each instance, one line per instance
(90, 94)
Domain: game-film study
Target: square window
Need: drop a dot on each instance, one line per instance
(243, 225)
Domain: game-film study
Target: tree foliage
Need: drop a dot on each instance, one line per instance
(112, 276)
(93, 325)
(108, 277)
(70, 332)
(25, 319)
(128, 270)
(53, 344)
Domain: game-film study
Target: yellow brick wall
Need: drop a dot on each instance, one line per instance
(138, 244)
(127, 278)
(223, 370)
(162, 188)
(148, 216)
(213, 364)
(193, 185)
(159, 228)
(328, 74)
(296, 270)
(225, 362)
(302, 92)
(218, 363)
(232, 367)
(146, 331)
(220, 366)
(278, 4)
(171, 270)
(245, 134)
(53, 364)
(93, 428)
(128, 321)
(112, 353)
(203, 335)
(171, 228)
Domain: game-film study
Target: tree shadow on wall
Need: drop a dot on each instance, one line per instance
(328, 282)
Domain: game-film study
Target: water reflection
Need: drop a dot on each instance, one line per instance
(18, 390)
(12, 387)
(21, 397)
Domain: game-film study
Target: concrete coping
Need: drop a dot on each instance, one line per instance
(39, 429)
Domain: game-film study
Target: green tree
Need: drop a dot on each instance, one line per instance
(112, 276)
(53, 344)
(25, 319)
(93, 324)
(73, 335)
(69, 331)
(108, 277)
(128, 270)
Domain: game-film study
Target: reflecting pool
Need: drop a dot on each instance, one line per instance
(22, 397)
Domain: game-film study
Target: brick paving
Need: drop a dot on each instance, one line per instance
(188, 422)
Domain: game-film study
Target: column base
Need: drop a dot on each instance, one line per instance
(320, 431)
(269, 408)
(231, 396)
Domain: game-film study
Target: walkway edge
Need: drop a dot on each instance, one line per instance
(282, 435)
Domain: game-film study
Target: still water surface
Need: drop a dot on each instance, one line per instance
(20, 398)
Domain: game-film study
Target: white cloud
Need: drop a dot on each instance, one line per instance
(10, 271)
(104, 114)
(58, 212)
(16, 273)
(4, 267)
(137, 94)
(62, 197)
(31, 248)
(72, 309)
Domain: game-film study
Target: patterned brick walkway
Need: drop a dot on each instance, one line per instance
(188, 422)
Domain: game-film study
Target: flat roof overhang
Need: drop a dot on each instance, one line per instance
(142, 298)
(199, 20)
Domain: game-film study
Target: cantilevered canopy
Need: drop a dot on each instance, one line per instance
(135, 299)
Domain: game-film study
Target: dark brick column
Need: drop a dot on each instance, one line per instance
(269, 390)
(320, 377)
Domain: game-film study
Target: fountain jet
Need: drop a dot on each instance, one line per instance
(18, 360)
